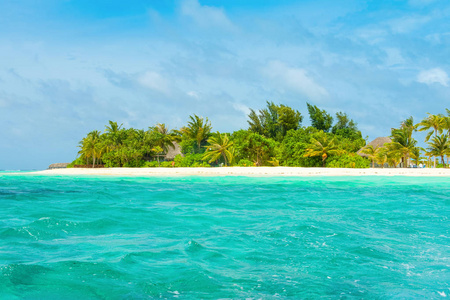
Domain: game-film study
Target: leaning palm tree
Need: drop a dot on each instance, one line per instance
(198, 130)
(371, 152)
(219, 145)
(321, 146)
(434, 122)
(439, 146)
(402, 142)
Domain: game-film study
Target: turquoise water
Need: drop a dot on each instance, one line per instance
(224, 237)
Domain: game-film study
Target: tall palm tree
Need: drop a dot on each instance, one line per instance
(219, 145)
(439, 146)
(434, 122)
(113, 133)
(402, 141)
(321, 146)
(371, 152)
(198, 130)
(90, 146)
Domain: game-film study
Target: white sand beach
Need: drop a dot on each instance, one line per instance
(248, 171)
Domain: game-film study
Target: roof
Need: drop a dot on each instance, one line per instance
(376, 143)
(172, 152)
(58, 166)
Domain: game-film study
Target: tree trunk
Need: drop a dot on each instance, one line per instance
(93, 161)
(443, 163)
(225, 158)
(373, 163)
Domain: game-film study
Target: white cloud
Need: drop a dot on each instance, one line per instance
(294, 79)
(242, 108)
(192, 94)
(154, 81)
(206, 16)
(408, 24)
(432, 76)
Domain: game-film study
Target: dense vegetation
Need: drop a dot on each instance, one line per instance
(403, 148)
(275, 137)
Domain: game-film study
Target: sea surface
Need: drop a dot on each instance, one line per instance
(75, 237)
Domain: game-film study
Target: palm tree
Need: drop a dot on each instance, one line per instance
(415, 155)
(439, 146)
(322, 147)
(381, 156)
(434, 122)
(219, 145)
(402, 141)
(113, 132)
(198, 130)
(371, 152)
(90, 146)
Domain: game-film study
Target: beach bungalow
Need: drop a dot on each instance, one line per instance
(58, 166)
(172, 152)
(376, 143)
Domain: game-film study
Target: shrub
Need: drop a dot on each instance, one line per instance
(348, 160)
(150, 164)
(245, 163)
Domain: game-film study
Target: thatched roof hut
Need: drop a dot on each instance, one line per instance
(172, 152)
(376, 143)
(58, 166)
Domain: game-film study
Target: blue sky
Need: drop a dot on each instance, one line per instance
(67, 67)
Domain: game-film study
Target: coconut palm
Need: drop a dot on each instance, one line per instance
(415, 155)
(90, 146)
(434, 122)
(370, 151)
(321, 146)
(402, 141)
(113, 133)
(381, 156)
(219, 145)
(439, 146)
(198, 130)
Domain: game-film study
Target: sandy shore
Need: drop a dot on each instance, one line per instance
(248, 171)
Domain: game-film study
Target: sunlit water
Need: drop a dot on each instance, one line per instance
(224, 237)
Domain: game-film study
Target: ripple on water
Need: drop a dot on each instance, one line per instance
(195, 237)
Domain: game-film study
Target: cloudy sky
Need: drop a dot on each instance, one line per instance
(67, 67)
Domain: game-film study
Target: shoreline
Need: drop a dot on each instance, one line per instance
(247, 171)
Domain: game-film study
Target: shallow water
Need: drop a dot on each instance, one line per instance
(223, 237)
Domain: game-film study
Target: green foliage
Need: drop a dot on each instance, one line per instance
(246, 163)
(274, 121)
(150, 164)
(219, 147)
(259, 149)
(348, 160)
(198, 130)
(322, 145)
(291, 151)
(77, 161)
(190, 160)
(320, 119)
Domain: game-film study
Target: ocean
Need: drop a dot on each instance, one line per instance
(80, 237)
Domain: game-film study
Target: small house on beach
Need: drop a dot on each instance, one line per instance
(58, 166)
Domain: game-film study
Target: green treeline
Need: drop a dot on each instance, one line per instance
(403, 147)
(275, 137)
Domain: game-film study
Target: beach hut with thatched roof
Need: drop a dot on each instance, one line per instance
(172, 152)
(376, 143)
(58, 166)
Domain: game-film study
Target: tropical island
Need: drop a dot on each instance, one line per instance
(275, 137)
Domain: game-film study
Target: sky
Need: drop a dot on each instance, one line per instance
(68, 67)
